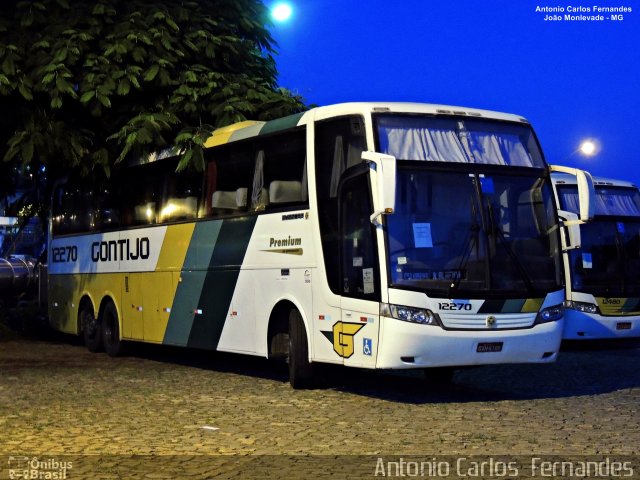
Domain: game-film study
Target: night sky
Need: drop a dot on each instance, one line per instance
(571, 79)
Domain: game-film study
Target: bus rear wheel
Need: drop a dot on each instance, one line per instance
(111, 331)
(300, 369)
(91, 331)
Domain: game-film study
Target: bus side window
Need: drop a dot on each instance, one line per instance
(228, 178)
(180, 195)
(107, 208)
(279, 176)
(73, 210)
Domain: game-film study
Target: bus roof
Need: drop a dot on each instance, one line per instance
(567, 179)
(248, 129)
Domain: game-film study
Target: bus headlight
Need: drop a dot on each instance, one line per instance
(582, 306)
(550, 314)
(422, 316)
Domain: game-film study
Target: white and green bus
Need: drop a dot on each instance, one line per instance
(603, 275)
(373, 235)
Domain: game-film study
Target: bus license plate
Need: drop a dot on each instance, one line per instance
(623, 326)
(489, 347)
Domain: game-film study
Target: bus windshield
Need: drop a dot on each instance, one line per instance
(459, 140)
(456, 233)
(608, 262)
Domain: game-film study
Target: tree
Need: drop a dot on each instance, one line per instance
(83, 85)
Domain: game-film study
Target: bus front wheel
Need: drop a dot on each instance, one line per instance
(111, 331)
(300, 369)
(91, 330)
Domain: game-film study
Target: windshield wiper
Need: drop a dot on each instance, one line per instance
(470, 242)
(499, 234)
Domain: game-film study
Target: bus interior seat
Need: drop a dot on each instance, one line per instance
(285, 191)
(241, 197)
(222, 199)
(535, 254)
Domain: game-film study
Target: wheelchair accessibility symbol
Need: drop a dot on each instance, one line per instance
(367, 346)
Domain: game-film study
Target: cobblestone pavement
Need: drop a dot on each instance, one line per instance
(57, 399)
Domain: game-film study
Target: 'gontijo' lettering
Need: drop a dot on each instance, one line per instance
(118, 250)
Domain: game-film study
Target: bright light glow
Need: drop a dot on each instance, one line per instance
(589, 147)
(168, 211)
(281, 12)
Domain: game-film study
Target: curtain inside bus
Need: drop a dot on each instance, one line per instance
(451, 140)
(615, 201)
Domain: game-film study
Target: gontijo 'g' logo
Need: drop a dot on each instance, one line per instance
(342, 337)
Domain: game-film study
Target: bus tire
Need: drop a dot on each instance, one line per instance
(300, 369)
(91, 330)
(111, 331)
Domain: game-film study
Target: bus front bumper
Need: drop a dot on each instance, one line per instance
(407, 345)
(589, 326)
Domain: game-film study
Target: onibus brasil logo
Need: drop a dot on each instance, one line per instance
(24, 467)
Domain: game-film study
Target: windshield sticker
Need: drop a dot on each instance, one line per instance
(422, 235)
(486, 184)
(367, 280)
(587, 260)
(357, 261)
(402, 260)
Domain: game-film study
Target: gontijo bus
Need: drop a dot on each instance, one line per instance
(603, 276)
(376, 235)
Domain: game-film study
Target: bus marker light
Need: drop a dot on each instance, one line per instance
(197, 311)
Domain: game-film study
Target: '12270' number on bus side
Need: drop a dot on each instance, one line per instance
(64, 254)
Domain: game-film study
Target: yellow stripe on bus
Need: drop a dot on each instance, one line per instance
(532, 305)
(158, 289)
(222, 135)
(175, 246)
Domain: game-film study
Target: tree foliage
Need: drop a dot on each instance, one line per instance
(85, 84)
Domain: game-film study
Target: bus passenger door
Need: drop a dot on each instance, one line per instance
(132, 307)
(357, 337)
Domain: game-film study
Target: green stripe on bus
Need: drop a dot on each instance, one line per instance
(189, 289)
(281, 124)
(220, 282)
(513, 306)
(631, 305)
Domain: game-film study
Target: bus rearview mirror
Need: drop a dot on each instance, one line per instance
(586, 191)
(570, 225)
(383, 183)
